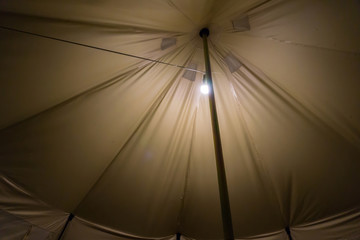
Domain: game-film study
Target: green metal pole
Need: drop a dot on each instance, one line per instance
(223, 190)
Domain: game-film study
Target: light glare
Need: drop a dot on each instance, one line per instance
(204, 89)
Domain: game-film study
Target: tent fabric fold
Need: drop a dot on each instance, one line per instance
(102, 117)
(81, 229)
(22, 214)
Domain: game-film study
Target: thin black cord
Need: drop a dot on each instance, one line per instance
(70, 217)
(288, 232)
(99, 48)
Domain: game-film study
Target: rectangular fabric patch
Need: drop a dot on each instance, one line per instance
(167, 42)
(190, 75)
(241, 24)
(232, 63)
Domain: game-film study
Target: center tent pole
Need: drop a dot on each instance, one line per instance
(220, 167)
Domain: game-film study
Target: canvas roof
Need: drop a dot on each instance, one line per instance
(98, 120)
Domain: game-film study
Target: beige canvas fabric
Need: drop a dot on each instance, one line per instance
(82, 229)
(124, 143)
(22, 214)
(341, 226)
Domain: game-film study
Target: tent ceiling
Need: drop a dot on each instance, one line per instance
(126, 143)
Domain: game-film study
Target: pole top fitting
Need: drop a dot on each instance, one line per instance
(204, 31)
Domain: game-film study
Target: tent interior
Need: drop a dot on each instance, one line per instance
(104, 133)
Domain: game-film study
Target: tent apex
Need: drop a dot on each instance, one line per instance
(204, 31)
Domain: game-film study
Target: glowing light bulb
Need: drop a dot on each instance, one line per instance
(204, 89)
